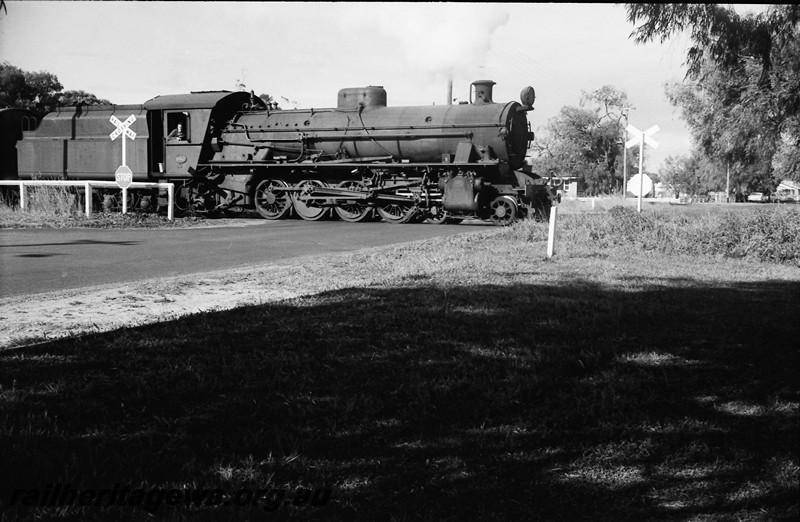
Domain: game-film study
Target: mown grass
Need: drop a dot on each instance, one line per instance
(476, 381)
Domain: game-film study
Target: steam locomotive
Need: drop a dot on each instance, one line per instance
(360, 160)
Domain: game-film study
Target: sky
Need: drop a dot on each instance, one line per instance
(303, 53)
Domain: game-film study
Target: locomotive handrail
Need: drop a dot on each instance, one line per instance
(88, 184)
(351, 163)
(366, 159)
(378, 128)
(334, 137)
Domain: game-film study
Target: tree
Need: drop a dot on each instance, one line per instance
(731, 125)
(693, 174)
(678, 174)
(585, 141)
(40, 92)
(269, 100)
(786, 101)
(69, 98)
(717, 31)
(743, 99)
(44, 89)
(12, 85)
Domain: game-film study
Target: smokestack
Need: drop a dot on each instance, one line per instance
(450, 91)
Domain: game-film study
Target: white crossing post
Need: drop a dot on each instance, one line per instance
(22, 195)
(641, 177)
(640, 138)
(123, 175)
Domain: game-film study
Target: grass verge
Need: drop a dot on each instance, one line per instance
(470, 379)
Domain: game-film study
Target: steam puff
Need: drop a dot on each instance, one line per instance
(439, 39)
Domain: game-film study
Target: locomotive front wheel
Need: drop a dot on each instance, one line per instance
(113, 202)
(306, 207)
(397, 213)
(504, 211)
(353, 211)
(183, 199)
(271, 199)
(437, 215)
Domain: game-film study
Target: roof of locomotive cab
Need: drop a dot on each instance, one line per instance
(195, 100)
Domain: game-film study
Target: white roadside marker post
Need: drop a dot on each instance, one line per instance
(551, 235)
(88, 202)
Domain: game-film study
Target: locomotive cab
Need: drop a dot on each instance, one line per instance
(178, 154)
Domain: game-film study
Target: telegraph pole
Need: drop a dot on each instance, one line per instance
(728, 185)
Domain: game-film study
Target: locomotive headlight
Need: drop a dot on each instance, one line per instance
(527, 97)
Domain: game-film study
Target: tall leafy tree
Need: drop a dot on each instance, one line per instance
(742, 101)
(40, 92)
(694, 174)
(12, 86)
(731, 125)
(44, 89)
(717, 31)
(679, 174)
(585, 141)
(785, 83)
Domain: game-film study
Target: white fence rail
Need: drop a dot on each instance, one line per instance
(170, 187)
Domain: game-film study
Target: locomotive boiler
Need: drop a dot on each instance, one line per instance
(359, 160)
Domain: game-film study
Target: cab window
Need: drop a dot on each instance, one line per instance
(177, 127)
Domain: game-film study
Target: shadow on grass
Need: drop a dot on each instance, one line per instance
(521, 402)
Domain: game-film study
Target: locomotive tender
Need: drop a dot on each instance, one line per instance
(359, 160)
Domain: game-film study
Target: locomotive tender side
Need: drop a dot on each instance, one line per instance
(74, 143)
(359, 160)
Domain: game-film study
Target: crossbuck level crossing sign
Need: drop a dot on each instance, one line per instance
(123, 175)
(640, 138)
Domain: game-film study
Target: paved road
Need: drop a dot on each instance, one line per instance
(43, 260)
